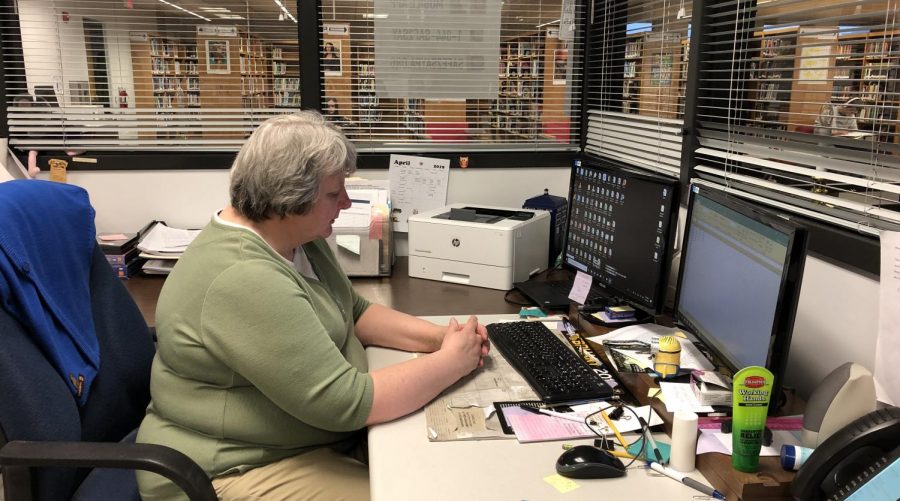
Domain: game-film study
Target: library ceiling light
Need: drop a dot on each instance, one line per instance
(184, 10)
(374, 16)
(214, 9)
(286, 12)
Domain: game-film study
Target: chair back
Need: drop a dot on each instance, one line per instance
(35, 402)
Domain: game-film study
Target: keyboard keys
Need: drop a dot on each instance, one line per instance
(555, 372)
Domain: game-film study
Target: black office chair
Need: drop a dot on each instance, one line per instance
(52, 449)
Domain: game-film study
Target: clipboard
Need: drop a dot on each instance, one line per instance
(499, 406)
(504, 425)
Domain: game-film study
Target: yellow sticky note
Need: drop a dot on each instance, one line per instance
(561, 483)
(657, 393)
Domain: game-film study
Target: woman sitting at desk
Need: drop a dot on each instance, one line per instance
(261, 374)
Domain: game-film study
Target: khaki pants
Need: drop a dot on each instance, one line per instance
(320, 475)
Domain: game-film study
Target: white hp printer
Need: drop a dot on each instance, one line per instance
(481, 246)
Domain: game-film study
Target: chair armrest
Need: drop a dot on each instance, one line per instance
(159, 459)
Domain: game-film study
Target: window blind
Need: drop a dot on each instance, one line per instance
(798, 107)
(473, 75)
(639, 53)
(146, 75)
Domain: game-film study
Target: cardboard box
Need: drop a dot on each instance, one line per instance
(711, 388)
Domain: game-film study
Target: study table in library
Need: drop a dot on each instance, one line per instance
(405, 465)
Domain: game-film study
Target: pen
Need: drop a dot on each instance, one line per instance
(561, 415)
(686, 480)
(645, 429)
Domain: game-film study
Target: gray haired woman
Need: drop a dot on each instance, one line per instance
(260, 375)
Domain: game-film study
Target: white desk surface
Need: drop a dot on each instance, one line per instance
(404, 465)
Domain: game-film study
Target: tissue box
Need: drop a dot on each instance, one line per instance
(711, 388)
(362, 240)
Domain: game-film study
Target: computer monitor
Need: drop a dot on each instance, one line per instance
(739, 281)
(620, 223)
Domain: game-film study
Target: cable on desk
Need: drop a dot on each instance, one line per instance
(589, 421)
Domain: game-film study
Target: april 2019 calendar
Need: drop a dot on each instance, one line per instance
(417, 184)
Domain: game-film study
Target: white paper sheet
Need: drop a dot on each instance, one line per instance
(716, 441)
(887, 347)
(581, 287)
(162, 238)
(418, 184)
(360, 212)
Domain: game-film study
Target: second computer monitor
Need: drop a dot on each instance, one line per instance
(739, 281)
(620, 222)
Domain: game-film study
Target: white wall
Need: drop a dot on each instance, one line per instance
(837, 322)
(126, 200)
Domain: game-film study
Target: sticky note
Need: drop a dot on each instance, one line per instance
(561, 483)
(635, 449)
(348, 242)
(581, 287)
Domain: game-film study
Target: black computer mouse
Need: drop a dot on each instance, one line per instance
(586, 461)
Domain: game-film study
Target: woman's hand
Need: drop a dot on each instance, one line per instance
(464, 345)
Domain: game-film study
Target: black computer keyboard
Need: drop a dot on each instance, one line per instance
(555, 372)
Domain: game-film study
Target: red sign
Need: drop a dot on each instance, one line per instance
(754, 381)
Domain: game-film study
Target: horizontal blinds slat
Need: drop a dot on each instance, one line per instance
(861, 208)
(653, 143)
(856, 226)
(811, 172)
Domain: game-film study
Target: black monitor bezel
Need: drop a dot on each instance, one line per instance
(665, 260)
(789, 290)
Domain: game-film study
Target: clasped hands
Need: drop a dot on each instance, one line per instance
(469, 341)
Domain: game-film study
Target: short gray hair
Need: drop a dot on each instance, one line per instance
(279, 168)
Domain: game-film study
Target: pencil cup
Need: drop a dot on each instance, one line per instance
(684, 441)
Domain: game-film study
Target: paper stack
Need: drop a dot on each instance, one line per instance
(162, 246)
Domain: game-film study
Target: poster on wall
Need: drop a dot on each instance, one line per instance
(217, 60)
(331, 58)
(437, 49)
(661, 71)
(417, 184)
(560, 63)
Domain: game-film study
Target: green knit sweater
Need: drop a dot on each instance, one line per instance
(255, 362)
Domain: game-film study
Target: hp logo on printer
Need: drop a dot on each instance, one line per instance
(455, 242)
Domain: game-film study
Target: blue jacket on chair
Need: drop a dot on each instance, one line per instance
(51, 295)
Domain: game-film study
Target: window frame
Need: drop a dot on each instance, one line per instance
(311, 93)
(829, 242)
(836, 244)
